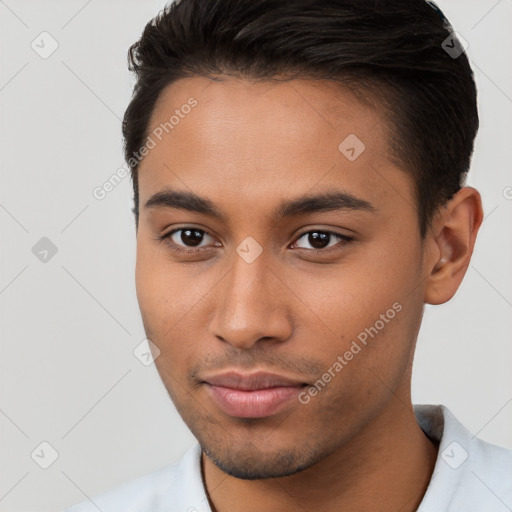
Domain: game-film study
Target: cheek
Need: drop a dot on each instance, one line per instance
(367, 311)
(172, 298)
(367, 366)
(158, 296)
(147, 283)
(348, 298)
(163, 290)
(387, 273)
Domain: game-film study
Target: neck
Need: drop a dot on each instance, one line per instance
(387, 466)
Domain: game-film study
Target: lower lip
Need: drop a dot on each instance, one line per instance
(257, 403)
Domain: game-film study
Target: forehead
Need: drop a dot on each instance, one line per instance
(244, 139)
(273, 114)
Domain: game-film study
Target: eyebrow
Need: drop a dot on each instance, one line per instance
(324, 202)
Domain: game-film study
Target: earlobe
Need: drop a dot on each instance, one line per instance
(453, 234)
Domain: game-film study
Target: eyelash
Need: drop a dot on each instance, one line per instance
(166, 238)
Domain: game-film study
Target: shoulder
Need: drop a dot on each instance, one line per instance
(169, 488)
(132, 494)
(488, 472)
(470, 474)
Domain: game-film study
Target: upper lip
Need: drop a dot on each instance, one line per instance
(258, 380)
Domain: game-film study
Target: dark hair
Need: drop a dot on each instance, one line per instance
(394, 52)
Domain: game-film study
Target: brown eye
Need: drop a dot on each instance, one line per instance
(319, 240)
(187, 239)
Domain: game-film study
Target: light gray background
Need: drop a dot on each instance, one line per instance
(69, 326)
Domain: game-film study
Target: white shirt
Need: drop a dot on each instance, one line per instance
(470, 475)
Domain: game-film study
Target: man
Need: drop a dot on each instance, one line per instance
(298, 172)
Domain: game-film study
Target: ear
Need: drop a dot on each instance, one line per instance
(452, 240)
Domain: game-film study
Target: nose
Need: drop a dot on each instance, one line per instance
(251, 306)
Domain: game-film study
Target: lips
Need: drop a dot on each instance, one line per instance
(256, 395)
(259, 380)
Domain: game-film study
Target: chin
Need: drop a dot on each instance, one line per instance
(257, 466)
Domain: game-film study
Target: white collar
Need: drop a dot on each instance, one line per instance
(470, 475)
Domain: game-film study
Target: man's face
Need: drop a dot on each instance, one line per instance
(308, 300)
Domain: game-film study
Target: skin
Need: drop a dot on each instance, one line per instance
(247, 147)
